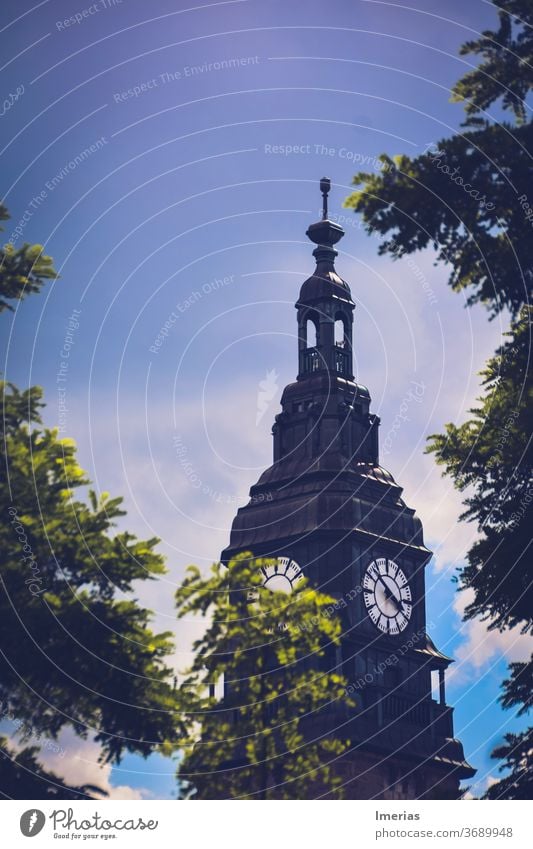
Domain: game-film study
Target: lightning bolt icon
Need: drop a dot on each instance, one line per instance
(33, 820)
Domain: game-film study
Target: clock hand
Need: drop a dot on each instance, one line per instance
(388, 591)
(388, 594)
(398, 603)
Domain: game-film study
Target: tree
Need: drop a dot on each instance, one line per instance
(516, 751)
(76, 647)
(490, 457)
(466, 196)
(470, 197)
(23, 777)
(24, 270)
(268, 737)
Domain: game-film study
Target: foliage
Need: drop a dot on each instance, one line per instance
(469, 196)
(77, 649)
(24, 270)
(518, 690)
(460, 197)
(506, 71)
(490, 457)
(516, 756)
(23, 777)
(515, 752)
(267, 737)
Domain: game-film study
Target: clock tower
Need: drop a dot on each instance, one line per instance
(326, 509)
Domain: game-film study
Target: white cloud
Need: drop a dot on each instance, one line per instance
(76, 761)
(479, 787)
(439, 505)
(79, 765)
(480, 646)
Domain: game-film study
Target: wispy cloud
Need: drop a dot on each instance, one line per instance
(77, 764)
(479, 646)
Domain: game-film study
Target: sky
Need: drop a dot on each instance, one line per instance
(168, 157)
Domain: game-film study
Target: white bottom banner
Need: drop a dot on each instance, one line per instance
(232, 825)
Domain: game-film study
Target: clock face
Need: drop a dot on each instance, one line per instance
(387, 596)
(283, 576)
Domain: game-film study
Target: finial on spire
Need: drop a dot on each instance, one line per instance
(325, 186)
(325, 233)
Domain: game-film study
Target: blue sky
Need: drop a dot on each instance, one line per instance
(169, 159)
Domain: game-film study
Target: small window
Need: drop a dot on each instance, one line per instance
(339, 332)
(311, 334)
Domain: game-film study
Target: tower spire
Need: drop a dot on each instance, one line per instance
(325, 302)
(325, 233)
(325, 186)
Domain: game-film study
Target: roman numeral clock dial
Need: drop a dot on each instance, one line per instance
(387, 596)
(282, 576)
